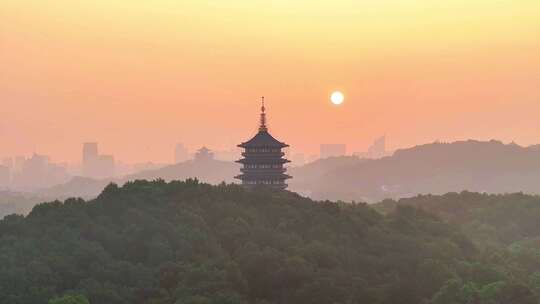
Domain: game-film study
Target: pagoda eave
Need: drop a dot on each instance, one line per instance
(250, 176)
(254, 161)
(249, 145)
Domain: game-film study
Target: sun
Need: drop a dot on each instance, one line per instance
(337, 98)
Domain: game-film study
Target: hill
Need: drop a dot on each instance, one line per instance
(436, 168)
(17, 202)
(186, 242)
(210, 171)
(490, 220)
(78, 186)
(306, 176)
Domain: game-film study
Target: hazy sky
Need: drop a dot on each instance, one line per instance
(138, 76)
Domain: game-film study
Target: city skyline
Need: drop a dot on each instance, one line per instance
(139, 76)
(182, 152)
(37, 171)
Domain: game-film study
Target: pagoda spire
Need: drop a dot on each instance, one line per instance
(262, 126)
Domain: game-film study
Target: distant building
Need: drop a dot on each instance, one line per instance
(8, 162)
(18, 163)
(5, 177)
(263, 162)
(90, 152)
(204, 154)
(38, 172)
(376, 150)
(181, 153)
(332, 150)
(95, 165)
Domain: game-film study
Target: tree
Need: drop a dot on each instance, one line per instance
(70, 299)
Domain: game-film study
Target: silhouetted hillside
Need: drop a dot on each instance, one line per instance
(490, 220)
(209, 171)
(17, 202)
(186, 242)
(78, 186)
(304, 177)
(435, 168)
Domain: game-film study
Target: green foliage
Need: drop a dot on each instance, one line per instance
(488, 219)
(187, 242)
(70, 299)
(506, 230)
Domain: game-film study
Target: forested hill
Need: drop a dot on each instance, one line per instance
(436, 168)
(511, 220)
(187, 242)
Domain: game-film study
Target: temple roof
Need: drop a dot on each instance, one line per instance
(263, 139)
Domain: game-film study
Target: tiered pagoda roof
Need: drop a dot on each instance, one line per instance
(263, 159)
(263, 139)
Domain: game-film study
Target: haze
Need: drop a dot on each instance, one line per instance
(139, 76)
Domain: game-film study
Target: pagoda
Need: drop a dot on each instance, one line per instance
(203, 154)
(263, 159)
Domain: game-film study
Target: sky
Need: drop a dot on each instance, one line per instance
(139, 76)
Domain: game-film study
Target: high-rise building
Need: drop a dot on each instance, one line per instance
(95, 165)
(378, 148)
(5, 177)
(18, 163)
(8, 162)
(332, 150)
(181, 153)
(90, 152)
(263, 162)
(38, 172)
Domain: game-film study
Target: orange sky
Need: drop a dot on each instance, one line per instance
(139, 76)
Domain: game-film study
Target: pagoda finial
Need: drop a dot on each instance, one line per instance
(262, 126)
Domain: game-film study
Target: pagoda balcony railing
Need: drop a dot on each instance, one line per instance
(252, 160)
(263, 170)
(263, 154)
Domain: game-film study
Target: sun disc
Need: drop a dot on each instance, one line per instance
(337, 98)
